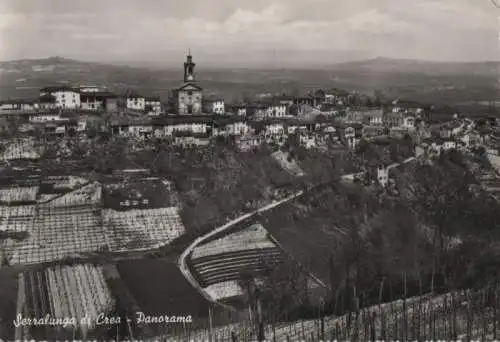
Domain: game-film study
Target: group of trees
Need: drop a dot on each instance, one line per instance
(435, 234)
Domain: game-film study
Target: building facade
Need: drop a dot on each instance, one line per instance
(65, 97)
(189, 97)
(19, 105)
(276, 110)
(135, 101)
(215, 106)
(153, 104)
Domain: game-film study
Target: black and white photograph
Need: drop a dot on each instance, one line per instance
(249, 171)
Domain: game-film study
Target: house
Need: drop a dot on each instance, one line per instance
(135, 101)
(140, 129)
(256, 110)
(374, 117)
(330, 130)
(41, 117)
(82, 125)
(470, 139)
(303, 100)
(350, 134)
(152, 104)
(274, 129)
(191, 141)
(19, 105)
(449, 144)
(98, 100)
(450, 129)
(293, 128)
(237, 128)
(393, 119)
(47, 102)
(354, 116)
(65, 97)
(247, 142)
(382, 175)
(409, 122)
(307, 141)
(330, 99)
(91, 101)
(185, 125)
(274, 109)
(430, 147)
(238, 109)
(397, 132)
(214, 105)
(373, 131)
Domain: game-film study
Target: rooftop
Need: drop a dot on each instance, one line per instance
(53, 89)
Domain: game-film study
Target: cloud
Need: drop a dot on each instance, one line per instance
(428, 29)
(95, 36)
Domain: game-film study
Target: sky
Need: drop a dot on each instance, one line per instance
(239, 32)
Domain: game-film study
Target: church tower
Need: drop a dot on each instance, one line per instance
(189, 94)
(189, 68)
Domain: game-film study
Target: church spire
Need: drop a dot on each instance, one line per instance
(189, 68)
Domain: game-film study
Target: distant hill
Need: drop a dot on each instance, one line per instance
(437, 82)
(384, 64)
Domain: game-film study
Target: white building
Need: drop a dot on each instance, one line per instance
(307, 141)
(139, 129)
(82, 126)
(46, 117)
(330, 98)
(239, 110)
(237, 128)
(135, 101)
(65, 97)
(215, 106)
(350, 137)
(382, 175)
(194, 127)
(276, 110)
(409, 122)
(18, 105)
(153, 104)
(275, 129)
(449, 144)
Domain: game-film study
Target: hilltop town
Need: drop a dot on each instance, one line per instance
(124, 203)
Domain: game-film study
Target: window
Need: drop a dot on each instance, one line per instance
(190, 92)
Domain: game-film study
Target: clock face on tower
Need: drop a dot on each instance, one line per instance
(190, 77)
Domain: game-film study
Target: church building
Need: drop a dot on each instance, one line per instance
(189, 97)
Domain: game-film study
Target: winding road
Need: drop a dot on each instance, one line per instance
(182, 261)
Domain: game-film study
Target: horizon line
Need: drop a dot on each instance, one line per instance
(296, 64)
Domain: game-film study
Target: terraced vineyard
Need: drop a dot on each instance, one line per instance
(224, 260)
(65, 294)
(463, 315)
